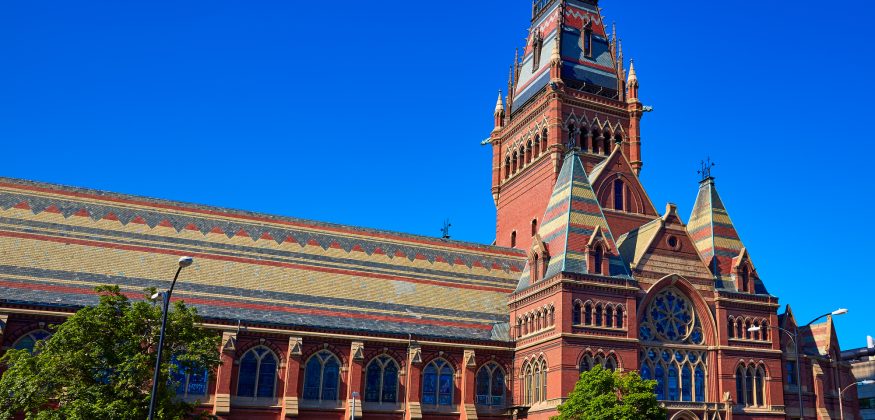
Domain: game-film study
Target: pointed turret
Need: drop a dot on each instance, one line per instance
(573, 232)
(499, 112)
(719, 243)
(633, 83)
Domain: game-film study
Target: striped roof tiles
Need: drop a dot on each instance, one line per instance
(57, 243)
(572, 218)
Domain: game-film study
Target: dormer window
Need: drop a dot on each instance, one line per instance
(513, 239)
(745, 279)
(587, 42)
(534, 227)
(619, 195)
(597, 259)
(537, 46)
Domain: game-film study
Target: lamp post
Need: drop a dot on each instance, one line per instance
(183, 262)
(354, 396)
(842, 399)
(794, 336)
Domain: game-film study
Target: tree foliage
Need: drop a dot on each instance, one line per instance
(99, 363)
(601, 394)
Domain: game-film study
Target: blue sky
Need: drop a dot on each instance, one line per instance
(372, 113)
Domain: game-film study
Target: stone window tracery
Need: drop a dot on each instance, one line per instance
(669, 328)
(437, 383)
(490, 385)
(322, 377)
(258, 374)
(381, 380)
(30, 340)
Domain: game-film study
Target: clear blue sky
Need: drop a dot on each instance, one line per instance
(372, 113)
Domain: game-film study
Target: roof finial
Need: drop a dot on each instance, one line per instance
(632, 75)
(705, 172)
(499, 106)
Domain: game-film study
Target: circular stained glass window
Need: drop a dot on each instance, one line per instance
(671, 318)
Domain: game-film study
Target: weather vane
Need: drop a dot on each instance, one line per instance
(707, 165)
(445, 231)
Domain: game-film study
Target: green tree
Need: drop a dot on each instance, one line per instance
(605, 395)
(99, 363)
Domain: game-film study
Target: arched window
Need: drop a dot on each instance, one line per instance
(584, 144)
(680, 374)
(575, 313)
(609, 316)
(258, 372)
(745, 280)
(747, 333)
(381, 380)
(534, 227)
(513, 239)
(740, 374)
(490, 385)
(437, 384)
(507, 167)
(607, 143)
(528, 373)
(514, 163)
(190, 382)
(731, 329)
(618, 138)
(759, 384)
(749, 387)
(543, 393)
(586, 363)
(619, 195)
(596, 137)
(621, 314)
(322, 377)
(535, 270)
(611, 363)
(587, 313)
(597, 260)
(537, 46)
(538, 145)
(765, 331)
(587, 42)
(599, 315)
(30, 340)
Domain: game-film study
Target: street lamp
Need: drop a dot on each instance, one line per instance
(183, 262)
(842, 399)
(354, 396)
(794, 336)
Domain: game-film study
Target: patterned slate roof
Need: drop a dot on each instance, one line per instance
(572, 217)
(715, 236)
(57, 243)
(597, 70)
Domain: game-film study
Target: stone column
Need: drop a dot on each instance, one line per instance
(413, 411)
(222, 404)
(293, 374)
(354, 379)
(469, 372)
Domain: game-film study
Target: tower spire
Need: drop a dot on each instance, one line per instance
(499, 112)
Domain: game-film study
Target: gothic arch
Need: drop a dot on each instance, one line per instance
(605, 190)
(709, 325)
(684, 415)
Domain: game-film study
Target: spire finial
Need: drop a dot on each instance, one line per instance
(499, 105)
(633, 77)
(705, 171)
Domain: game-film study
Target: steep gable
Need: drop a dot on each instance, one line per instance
(718, 241)
(572, 224)
(663, 247)
(617, 168)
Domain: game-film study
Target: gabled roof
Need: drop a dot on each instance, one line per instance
(572, 220)
(597, 71)
(715, 236)
(619, 164)
(58, 243)
(645, 248)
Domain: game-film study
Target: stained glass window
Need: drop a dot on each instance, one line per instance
(257, 376)
(381, 380)
(437, 383)
(322, 377)
(680, 374)
(29, 341)
(490, 385)
(189, 382)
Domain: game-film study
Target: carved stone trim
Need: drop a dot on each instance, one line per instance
(358, 350)
(469, 358)
(291, 406)
(222, 404)
(414, 353)
(295, 346)
(229, 342)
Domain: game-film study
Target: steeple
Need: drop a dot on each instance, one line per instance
(586, 56)
(719, 244)
(574, 232)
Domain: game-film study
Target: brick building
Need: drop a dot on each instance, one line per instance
(585, 270)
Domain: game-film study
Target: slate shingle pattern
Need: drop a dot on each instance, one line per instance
(58, 243)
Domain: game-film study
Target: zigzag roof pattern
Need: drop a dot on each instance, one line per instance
(573, 217)
(715, 236)
(60, 242)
